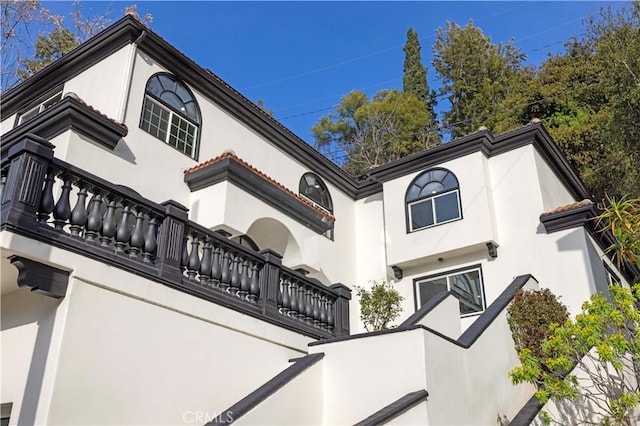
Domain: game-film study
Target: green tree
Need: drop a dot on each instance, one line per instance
(379, 306)
(22, 56)
(48, 48)
(414, 79)
(371, 132)
(592, 362)
(530, 315)
(476, 75)
(589, 100)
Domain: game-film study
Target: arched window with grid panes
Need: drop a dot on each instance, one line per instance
(314, 189)
(432, 198)
(171, 113)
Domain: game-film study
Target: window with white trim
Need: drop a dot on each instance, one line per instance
(465, 284)
(48, 103)
(432, 198)
(171, 113)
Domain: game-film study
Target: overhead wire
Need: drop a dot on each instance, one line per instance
(437, 97)
(365, 56)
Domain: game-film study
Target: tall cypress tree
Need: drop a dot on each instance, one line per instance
(415, 74)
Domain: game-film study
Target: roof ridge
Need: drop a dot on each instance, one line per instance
(232, 156)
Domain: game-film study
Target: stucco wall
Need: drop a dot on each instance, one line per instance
(149, 353)
(468, 234)
(27, 326)
(299, 402)
(151, 363)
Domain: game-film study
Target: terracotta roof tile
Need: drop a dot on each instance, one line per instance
(83, 102)
(568, 207)
(233, 157)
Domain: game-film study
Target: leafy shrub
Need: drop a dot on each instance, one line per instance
(379, 306)
(530, 315)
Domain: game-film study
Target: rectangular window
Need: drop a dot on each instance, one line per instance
(168, 126)
(48, 103)
(434, 210)
(465, 284)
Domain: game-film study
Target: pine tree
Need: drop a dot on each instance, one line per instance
(415, 74)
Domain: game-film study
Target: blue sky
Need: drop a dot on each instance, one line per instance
(301, 57)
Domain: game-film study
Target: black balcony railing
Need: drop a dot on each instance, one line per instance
(55, 202)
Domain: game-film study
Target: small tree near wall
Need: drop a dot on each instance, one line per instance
(530, 315)
(379, 306)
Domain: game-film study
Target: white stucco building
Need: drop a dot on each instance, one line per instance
(173, 255)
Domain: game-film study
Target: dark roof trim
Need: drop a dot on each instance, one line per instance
(527, 413)
(218, 91)
(128, 29)
(252, 400)
(425, 309)
(394, 409)
(71, 64)
(69, 113)
(230, 170)
(586, 216)
(568, 219)
(485, 142)
(467, 338)
(483, 322)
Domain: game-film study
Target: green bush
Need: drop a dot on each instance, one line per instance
(379, 306)
(530, 315)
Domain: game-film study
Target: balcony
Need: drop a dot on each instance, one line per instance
(49, 200)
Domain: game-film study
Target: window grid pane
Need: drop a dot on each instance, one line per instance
(155, 120)
(170, 113)
(446, 207)
(182, 134)
(421, 214)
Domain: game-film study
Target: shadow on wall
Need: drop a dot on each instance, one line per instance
(272, 234)
(21, 311)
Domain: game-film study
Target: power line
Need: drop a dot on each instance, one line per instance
(365, 56)
(437, 97)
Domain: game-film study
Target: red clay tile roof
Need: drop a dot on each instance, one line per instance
(568, 207)
(232, 156)
(82, 101)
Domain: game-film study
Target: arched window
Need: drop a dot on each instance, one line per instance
(432, 198)
(171, 114)
(313, 188)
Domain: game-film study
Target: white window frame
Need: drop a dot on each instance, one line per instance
(447, 275)
(172, 113)
(47, 103)
(433, 210)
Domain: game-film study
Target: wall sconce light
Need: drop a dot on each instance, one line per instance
(493, 250)
(397, 272)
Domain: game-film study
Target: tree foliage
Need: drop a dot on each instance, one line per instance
(379, 306)
(476, 75)
(414, 79)
(589, 100)
(371, 132)
(48, 48)
(593, 361)
(530, 315)
(622, 218)
(604, 344)
(33, 37)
